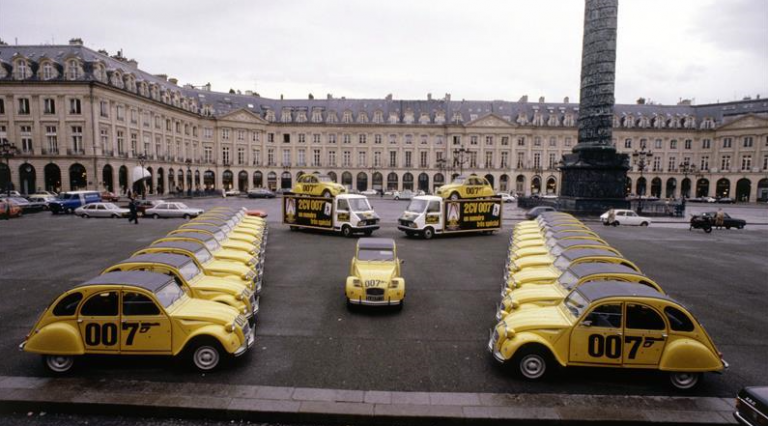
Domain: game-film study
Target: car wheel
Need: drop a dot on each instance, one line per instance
(616, 223)
(428, 233)
(327, 194)
(368, 232)
(59, 364)
(741, 227)
(605, 223)
(186, 216)
(205, 355)
(454, 196)
(346, 231)
(85, 216)
(532, 362)
(644, 224)
(684, 380)
(400, 305)
(707, 229)
(155, 216)
(114, 216)
(727, 226)
(397, 198)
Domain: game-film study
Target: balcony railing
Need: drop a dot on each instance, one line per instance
(71, 151)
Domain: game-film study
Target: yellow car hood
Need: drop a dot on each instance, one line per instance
(448, 187)
(239, 246)
(380, 273)
(529, 251)
(205, 311)
(537, 293)
(534, 261)
(236, 255)
(548, 317)
(227, 266)
(531, 275)
(222, 284)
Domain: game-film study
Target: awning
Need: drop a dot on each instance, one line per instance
(140, 173)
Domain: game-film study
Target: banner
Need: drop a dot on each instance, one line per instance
(472, 215)
(313, 212)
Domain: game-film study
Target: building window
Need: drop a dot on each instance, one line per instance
(704, 165)
(377, 159)
(301, 159)
(504, 159)
(423, 159)
(473, 140)
(346, 138)
(392, 139)
(26, 139)
(104, 109)
(2, 106)
(489, 159)
(47, 71)
(225, 155)
(241, 135)
(656, 164)
(52, 139)
(706, 143)
(77, 139)
(473, 159)
(673, 144)
(765, 162)
(362, 139)
(240, 155)
(225, 134)
(120, 142)
(134, 142)
(302, 138)
(270, 137)
(316, 138)
(457, 140)
(489, 140)
(120, 113)
(725, 164)
(362, 161)
(316, 157)
(208, 154)
(346, 159)
(520, 160)
(658, 144)
(270, 157)
(748, 142)
(424, 140)
(332, 158)
(332, 138)
(552, 142)
(104, 136)
(628, 143)
(520, 141)
(537, 160)
(552, 160)
(134, 116)
(746, 163)
(207, 132)
(688, 144)
(672, 164)
(408, 162)
(392, 158)
(49, 106)
(377, 139)
(505, 141)
(568, 141)
(537, 141)
(408, 139)
(23, 106)
(727, 142)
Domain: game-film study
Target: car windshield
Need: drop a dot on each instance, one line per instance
(189, 270)
(568, 279)
(359, 204)
(459, 180)
(379, 255)
(324, 179)
(169, 293)
(181, 206)
(575, 303)
(417, 206)
(203, 255)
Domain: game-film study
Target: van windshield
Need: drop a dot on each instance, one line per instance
(417, 206)
(359, 204)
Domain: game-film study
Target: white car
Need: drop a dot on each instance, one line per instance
(101, 210)
(370, 192)
(506, 198)
(232, 193)
(624, 217)
(172, 210)
(404, 195)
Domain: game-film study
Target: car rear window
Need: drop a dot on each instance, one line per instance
(68, 305)
(678, 321)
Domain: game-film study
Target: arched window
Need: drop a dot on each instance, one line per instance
(743, 188)
(209, 180)
(107, 178)
(242, 181)
(272, 181)
(78, 178)
(333, 177)
(377, 181)
(551, 186)
(362, 181)
(671, 187)
(392, 182)
(536, 185)
(438, 181)
(258, 179)
(656, 187)
(520, 184)
(285, 180)
(723, 188)
(491, 180)
(228, 179)
(346, 179)
(408, 181)
(641, 186)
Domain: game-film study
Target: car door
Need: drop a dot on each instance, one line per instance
(98, 321)
(173, 210)
(433, 216)
(101, 210)
(342, 211)
(645, 335)
(144, 326)
(632, 218)
(597, 338)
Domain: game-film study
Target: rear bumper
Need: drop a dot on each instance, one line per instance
(364, 302)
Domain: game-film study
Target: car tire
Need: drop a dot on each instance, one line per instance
(327, 194)
(400, 305)
(454, 196)
(85, 216)
(616, 223)
(605, 223)
(532, 362)
(428, 233)
(114, 216)
(186, 216)
(727, 226)
(740, 227)
(59, 364)
(397, 198)
(155, 216)
(368, 232)
(205, 354)
(708, 229)
(644, 224)
(346, 231)
(684, 381)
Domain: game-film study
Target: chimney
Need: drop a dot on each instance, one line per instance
(388, 97)
(207, 87)
(163, 77)
(76, 41)
(173, 81)
(523, 99)
(329, 96)
(104, 52)
(684, 102)
(567, 100)
(133, 63)
(249, 92)
(429, 96)
(541, 99)
(447, 97)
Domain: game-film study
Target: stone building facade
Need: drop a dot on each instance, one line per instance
(82, 118)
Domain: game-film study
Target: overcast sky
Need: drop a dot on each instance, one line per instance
(705, 50)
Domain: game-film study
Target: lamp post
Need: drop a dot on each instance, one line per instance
(458, 158)
(639, 159)
(142, 161)
(687, 168)
(189, 177)
(8, 150)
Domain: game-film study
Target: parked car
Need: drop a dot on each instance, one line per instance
(752, 406)
(370, 192)
(232, 193)
(109, 196)
(374, 275)
(256, 213)
(9, 209)
(143, 205)
(261, 193)
(726, 200)
(24, 204)
(101, 210)
(507, 198)
(41, 199)
(536, 211)
(471, 186)
(10, 194)
(624, 217)
(404, 195)
(706, 221)
(44, 193)
(172, 210)
(67, 202)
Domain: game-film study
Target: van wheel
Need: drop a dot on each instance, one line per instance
(205, 354)
(59, 364)
(454, 196)
(294, 228)
(327, 194)
(155, 216)
(532, 362)
(429, 233)
(346, 231)
(684, 380)
(644, 224)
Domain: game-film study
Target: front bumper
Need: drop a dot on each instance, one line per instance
(250, 339)
(492, 348)
(365, 302)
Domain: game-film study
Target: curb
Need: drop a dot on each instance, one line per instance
(336, 406)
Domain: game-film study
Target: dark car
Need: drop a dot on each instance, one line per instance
(752, 406)
(261, 193)
(726, 200)
(143, 205)
(706, 221)
(536, 211)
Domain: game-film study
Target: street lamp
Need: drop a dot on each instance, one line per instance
(189, 177)
(639, 159)
(458, 158)
(142, 161)
(688, 169)
(8, 150)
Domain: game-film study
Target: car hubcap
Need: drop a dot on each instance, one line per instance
(60, 363)
(684, 380)
(206, 358)
(532, 366)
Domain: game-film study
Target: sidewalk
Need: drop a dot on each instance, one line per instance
(333, 406)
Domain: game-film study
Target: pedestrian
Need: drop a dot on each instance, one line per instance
(719, 218)
(611, 216)
(133, 216)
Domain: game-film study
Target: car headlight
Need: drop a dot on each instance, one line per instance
(230, 328)
(361, 223)
(393, 284)
(413, 225)
(509, 332)
(356, 282)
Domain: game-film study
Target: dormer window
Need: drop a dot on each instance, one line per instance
(393, 118)
(332, 117)
(553, 120)
(98, 73)
(409, 118)
(522, 118)
(378, 117)
(317, 115)
(538, 119)
(568, 120)
(424, 118)
(22, 70)
(301, 116)
(457, 118)
(270, 115)
(440, 117)
(117, 80)
(347, 117)
(73, 70)
(48, 72)
(362, 117)
(285, 117)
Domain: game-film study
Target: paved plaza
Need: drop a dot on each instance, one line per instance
(306, 337)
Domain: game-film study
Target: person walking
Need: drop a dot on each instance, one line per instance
(719, 218)
(133, 208)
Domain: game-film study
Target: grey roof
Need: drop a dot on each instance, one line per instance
(576, 233)
(577, 242)
(181, 245)
(203, 221)
(192, 235)
(170, 259)
(584, 269)
(581, 253)
(376, 243)
(147, 280)
(466, 110)
(208, 228)
(596, 290)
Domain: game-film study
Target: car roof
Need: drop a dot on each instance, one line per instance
(579, 241)
(150, 281)
(170, 259)
(580, 253)
(207, 219)
(571, 233)
(193, 235)
(376, 243)
(208, 228)
(182, 245)
(597, 290)
(584, 269)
